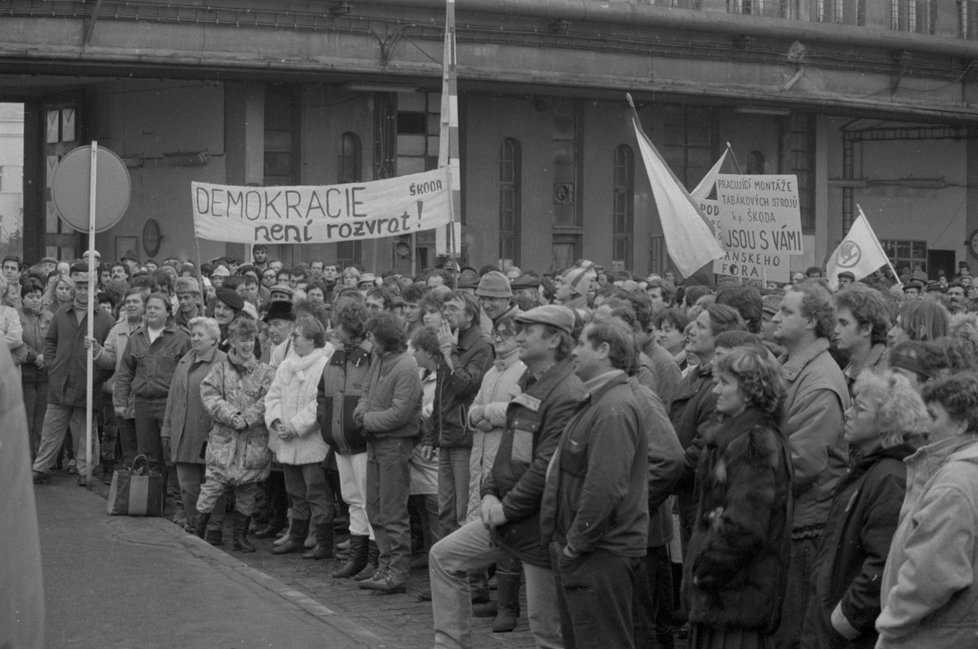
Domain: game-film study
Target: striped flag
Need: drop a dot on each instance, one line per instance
(690, 242)
(447, 237)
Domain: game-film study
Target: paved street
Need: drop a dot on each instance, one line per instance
(140, 583)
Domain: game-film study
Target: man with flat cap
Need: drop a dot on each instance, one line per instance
(526, 292)
(510, 514)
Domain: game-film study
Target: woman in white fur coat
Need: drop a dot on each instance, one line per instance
(294, 438)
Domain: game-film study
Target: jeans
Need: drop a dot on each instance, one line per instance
(653, 601)
(453, 487)
(388, 485)
(795, 603)
(57, 419)
(149, 423)
(596, 596)
(469, 549)
(191, 477)
(36, 404)
(484, 448)
(353, 489)
(306, 486)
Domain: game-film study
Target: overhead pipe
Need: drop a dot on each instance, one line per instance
(646, 15)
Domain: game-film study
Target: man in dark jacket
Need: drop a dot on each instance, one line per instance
(468, 355)
(509, 525)
(595, 504)
(65, 355)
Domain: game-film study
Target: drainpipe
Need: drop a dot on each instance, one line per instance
(642, 15)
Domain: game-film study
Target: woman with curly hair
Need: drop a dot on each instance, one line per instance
(737, 560)
(928, 592)
(886, 411)
(919, 320)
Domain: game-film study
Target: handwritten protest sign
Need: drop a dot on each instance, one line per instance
(322, 214)
(758, 221)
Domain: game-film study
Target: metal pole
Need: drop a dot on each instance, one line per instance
(90, 312)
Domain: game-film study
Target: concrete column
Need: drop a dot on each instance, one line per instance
(244, 140)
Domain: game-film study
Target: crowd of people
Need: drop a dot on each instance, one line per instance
(741, 466)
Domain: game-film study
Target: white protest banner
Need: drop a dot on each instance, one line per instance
(322, 214)
(759, 225)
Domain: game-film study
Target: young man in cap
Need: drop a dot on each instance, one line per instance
(594, 507)
(189, 301)
(65, 354)
(509, 524)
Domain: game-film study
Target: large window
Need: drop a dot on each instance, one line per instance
(687, 142)
(843, 12)
(770, 8)
(510, 199)
(349, 166)
(623, 208)
(801, 157)
(913, 15)
(906, 253)
(969, 18)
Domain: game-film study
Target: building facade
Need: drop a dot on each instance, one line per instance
(871, 103)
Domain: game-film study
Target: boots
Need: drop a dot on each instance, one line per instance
(297, 536)
(508, 606)
(373, 556)
(324, 543)
(276, 524)
(200, 524)
(357, 560)
(241, 542)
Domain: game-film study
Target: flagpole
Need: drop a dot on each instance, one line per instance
(448, 146)
(740, 170)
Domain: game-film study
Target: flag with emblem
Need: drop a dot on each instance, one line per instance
(690, 242)
(860, 253)
(447, 237)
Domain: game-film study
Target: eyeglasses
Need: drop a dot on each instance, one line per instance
(502, 335)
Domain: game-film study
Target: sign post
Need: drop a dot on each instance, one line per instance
(90, 190)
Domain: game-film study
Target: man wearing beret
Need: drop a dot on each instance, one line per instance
(509, 524)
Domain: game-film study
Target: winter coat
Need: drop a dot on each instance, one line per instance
(817, 396)
(186, 422)
(694, 409)
(535, 420)
(665, 461)
(929, 594)
(11, 329)
(234, 387)
(66, 357)
(147, 367)
(343, 381)
(596, 493)
(856, 540)
(457, 387)
(34, 328)
(736, 566)
(22, 592)
(499, 386)
(292, 401)
(391, 403)
(109, 358)
(664, 369)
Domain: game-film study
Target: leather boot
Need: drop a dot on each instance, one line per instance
(297, 537)
(324, 543)
(508, 605)
(200, 524)
(373, 557)
(276, 524)
(241, 542)
(357, 560)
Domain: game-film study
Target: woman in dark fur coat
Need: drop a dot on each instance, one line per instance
(848, 569)
(737, 562)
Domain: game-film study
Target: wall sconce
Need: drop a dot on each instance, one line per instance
(186, 158)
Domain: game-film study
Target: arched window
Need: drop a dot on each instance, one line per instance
(349, 167)
(623, 208)
(510, 199)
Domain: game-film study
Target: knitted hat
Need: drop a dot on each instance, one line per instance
(494, 284)
(220, 271)
(187, 285)
(579, 279)
(231, 298)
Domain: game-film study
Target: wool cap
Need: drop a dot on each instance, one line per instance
(231, 298)
(494, 284)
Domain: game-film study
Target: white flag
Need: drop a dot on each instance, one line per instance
(689, 240)
(860, 253)
(710, 179)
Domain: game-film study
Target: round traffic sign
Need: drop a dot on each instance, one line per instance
(70, 188)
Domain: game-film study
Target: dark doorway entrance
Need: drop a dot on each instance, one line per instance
(940, 260)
